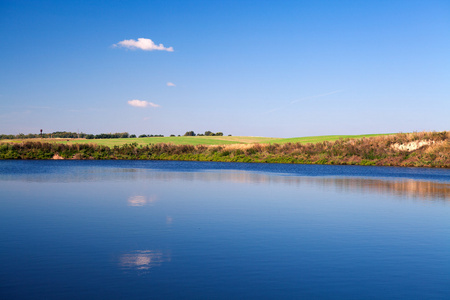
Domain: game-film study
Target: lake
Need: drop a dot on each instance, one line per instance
(191, 230)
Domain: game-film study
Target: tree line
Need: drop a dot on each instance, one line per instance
(75, 135)
(67, 135)
(207, 133)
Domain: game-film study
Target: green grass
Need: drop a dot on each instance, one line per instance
(323, 138)
(200, 140)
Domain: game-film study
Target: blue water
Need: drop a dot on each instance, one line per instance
(190, 230)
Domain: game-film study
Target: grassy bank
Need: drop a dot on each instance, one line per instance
(425, 149)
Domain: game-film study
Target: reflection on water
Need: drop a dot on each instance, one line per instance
(399, 187)
(422, 189)
(143, 259)
(411, 188)
(141, 200)
(233, 234)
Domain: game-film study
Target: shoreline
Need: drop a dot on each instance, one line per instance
(245, 162)
(430, 150)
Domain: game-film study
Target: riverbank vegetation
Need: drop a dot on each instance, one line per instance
(424, 149)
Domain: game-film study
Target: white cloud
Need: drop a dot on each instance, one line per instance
(143, 44)
(141, 103)
(170, 84)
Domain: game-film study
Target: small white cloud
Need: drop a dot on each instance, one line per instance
(170, 84)
(142, 103)
(143, 44)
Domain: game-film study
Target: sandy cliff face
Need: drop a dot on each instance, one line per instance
(412, 146)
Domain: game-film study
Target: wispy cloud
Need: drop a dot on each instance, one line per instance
(316, 96)
(142, 103)
(27, 107)
(39, 109)
(304, 99)
(15, 114)
(142, 44)
(170, 84)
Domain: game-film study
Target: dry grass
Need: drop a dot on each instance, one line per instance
(233, 147)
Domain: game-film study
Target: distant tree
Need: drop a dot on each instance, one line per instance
(229, 135)
(219, 134)
(208, 133)
(172, 135)
(64, 134)
(189, 133)
(132, 136)
(143, 136)
(7, 136)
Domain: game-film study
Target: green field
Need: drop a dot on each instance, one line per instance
(323, 138)
(200, 140)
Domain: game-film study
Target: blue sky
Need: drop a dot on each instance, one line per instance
(256, 68)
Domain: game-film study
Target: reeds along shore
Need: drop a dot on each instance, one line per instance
(422, 149)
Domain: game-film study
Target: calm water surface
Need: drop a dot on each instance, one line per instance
(188, 230)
